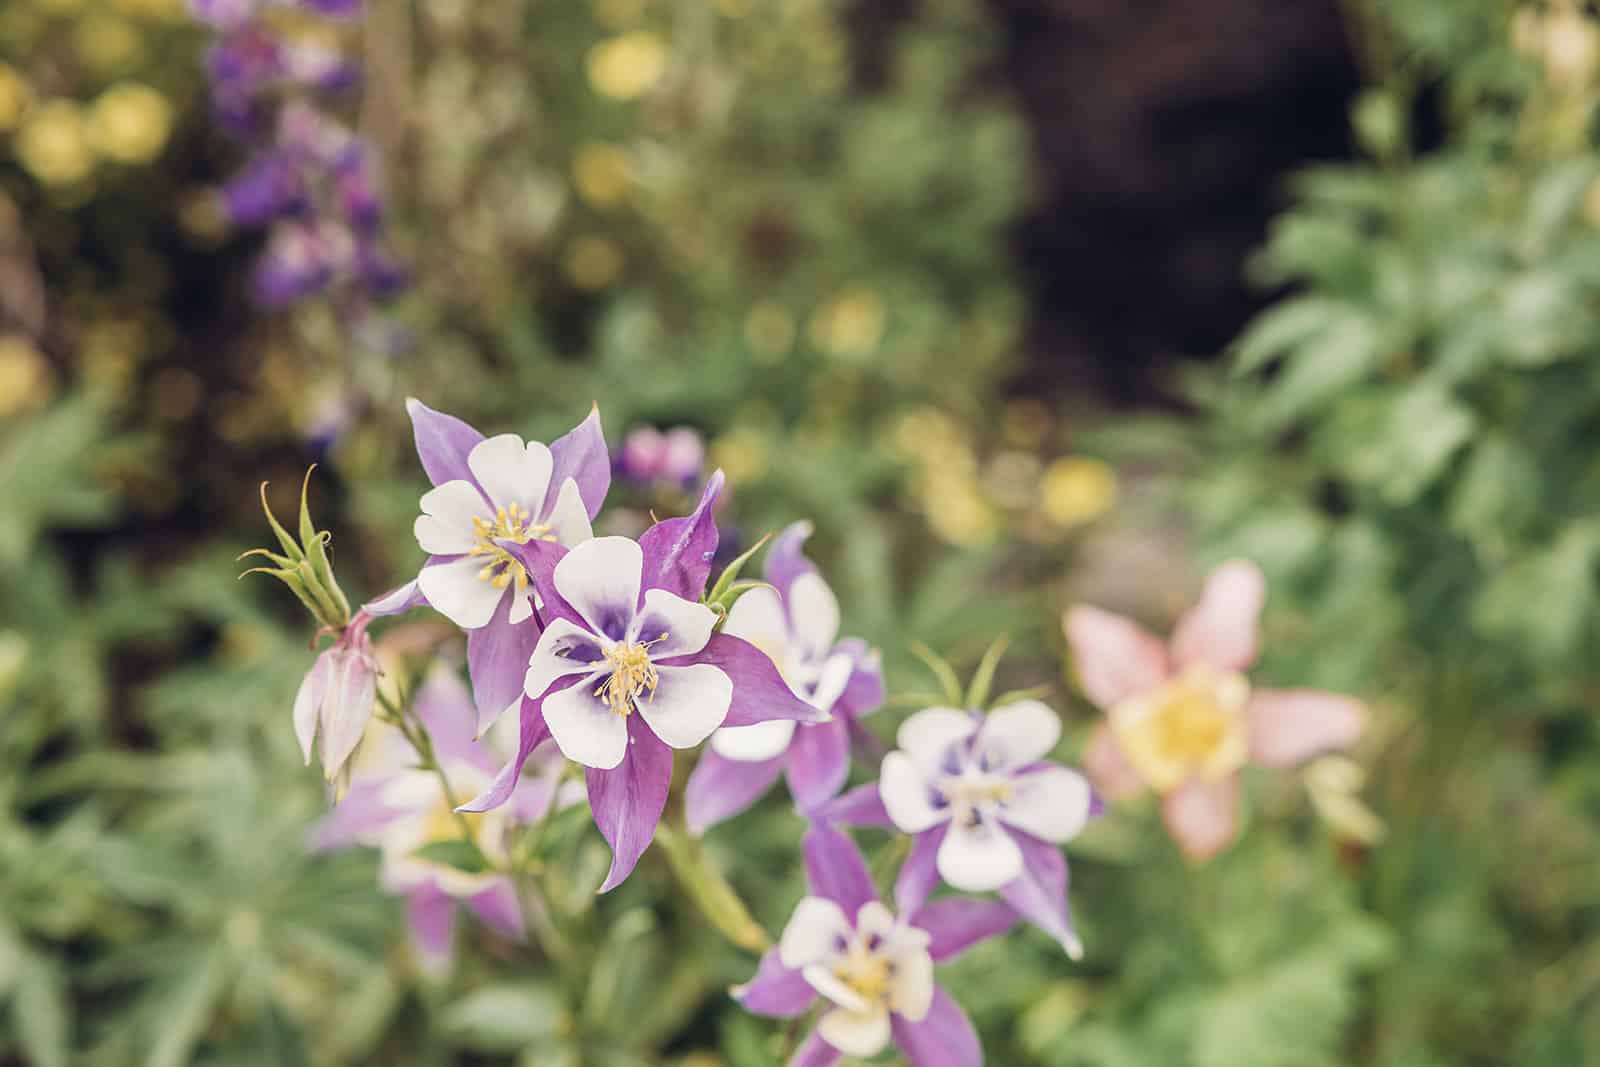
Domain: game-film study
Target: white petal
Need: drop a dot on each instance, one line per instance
(754, 744)
(521, 607)
(911, 991)
(673, 625)
(569, 519)
(456, 592)
(564, 648)
(688, 703)
(978, 858)
(346, 707)
(1051, 804)
(585, 729)
(855, 1033)
(1018, 733)
(814, 611)
(813, 932)
(511, 472)
(445, 526)
(831, 683)
(758, 617)
(308, 704)
(908, 795)
(928, 735)
(600, 578)
(874, 918)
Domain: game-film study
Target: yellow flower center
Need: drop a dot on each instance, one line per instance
(443, 824)
(971, 793)
(866, 972)
(1192, 725)
(631, 673)
(510, 524)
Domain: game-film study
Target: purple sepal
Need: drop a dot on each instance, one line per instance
(445, 708)
(818, 762)
(835, 869)
(497, 660)
(776, 991)
(919, 875)
(944, 1038)
(1040, 893)
(864, 693)
(580, 454)
(678, 552)
(628, 800)
(397, 600)
(815, 1053)
(431, 914)
(498, 908)
(334, 9)
(533, 732)
(720, 788)
(443, 443)
(269, 186)
(786, 558)
(958, 923)
(360, 812)
(861, 806)
(759, 692)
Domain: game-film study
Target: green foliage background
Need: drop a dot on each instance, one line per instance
(807, 261)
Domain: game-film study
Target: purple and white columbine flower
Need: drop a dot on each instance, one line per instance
(336, 699)
(489, 496)
(987, 812)
(628, 668)
(795, 621)
(873, 970)
(399, 808)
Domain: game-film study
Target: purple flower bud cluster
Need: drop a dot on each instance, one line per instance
(649, 455)
(312, 181)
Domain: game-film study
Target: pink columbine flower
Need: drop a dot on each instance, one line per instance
(337, 697)
(985, 808)
(794, 620)
(490, 494)
(629, 668)
(872, 971)
(1182, 718)
(400, 808)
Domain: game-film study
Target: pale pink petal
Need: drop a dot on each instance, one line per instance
(1289, 726)
(1116, 657)
(1221, 629)
(1113, 775)
(1202, 816)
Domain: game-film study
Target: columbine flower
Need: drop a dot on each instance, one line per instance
(628, 669)
(401, 809)
(336, 699)
(873, 971)
(648, 455)
(987, 812)
(1183, 720)
(795, 622)
(490, 495)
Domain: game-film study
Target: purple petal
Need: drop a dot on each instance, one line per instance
(533, 733)
(1040, 895)
(818, 763)
(396, 601)
(497, 659)
(775, 991)
(815, 1053)
(720, 788)
(835, 869)
(580, 454)
(445, 708)
(539, 559)
(497, 906)
(920, 872)
(759, 692)
(945, 1038)
(677, 552)
(629, 799)
(786, 559)
(861, 806)
(443, 442)
(864, 693)
(360, 813)
(958, 923)
(431, 913)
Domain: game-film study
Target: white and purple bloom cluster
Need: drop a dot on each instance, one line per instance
(312, 181)
(649, 456)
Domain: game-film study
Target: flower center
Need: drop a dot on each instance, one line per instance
(867, 972)
(510, 524)
(1191, 724)
(1194, 724)
(631, 673)
(442, 824)
(973, 792)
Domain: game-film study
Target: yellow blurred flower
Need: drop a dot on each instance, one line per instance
(628, 65)
(25, 379)
(955, 508)
(769, 331)
(110, 349)
(600, 173)
(849, 324)
(1334, 783)
(592, 263)
(14, 97)
(54, 146)
(741, 453)
(1563, 38)
(130, 123)
(1076, 490)
(105, 42)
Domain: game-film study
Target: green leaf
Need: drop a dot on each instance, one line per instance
(730, 573)
(1282, 328)
(504, 1018)
(941, 669)
(458, 852)
(40, 1014)
(187, 1010)
(983, 677)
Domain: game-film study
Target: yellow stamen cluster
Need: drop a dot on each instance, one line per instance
(867, 973)
(966, 792)
(631, 673)
(1192, 725)
(510, 524)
